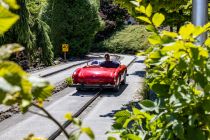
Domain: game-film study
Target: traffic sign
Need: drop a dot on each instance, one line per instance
(65, 47)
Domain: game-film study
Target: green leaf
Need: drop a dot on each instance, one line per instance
(136, 111)
(207, 42)
(7, 19)
(12, 3)
(155, 55)
(195, 134)
(111, 138)
(206, 105)
(170, 34)
(127, 122)
(158, 19)
(89, 132)
(161, 89)
(149, 10)
(131, 137)
(148, 105)
(145, 19)
(140, 9)
(155, 39)
(122, 113)
(68, 116)
(178, 129)
(186, 31)
(41, 89)
(150, 28)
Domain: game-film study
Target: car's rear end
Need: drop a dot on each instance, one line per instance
(95, 77)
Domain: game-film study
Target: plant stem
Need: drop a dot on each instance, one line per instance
(38, 114)
(52, 118)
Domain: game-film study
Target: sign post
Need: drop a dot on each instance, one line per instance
(65, 49)
(200, 16)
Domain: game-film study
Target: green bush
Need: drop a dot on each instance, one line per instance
(130, 40)
(178, 71)
(69, 81)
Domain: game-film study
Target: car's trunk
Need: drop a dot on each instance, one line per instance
(97, 75)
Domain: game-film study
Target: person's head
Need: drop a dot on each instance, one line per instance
(107, 57)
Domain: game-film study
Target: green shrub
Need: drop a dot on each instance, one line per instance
(69, 81)
(179, 73)
(130, 40)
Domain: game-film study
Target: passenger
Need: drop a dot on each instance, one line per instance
(108, 63)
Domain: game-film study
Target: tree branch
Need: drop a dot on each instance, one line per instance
(52, 118)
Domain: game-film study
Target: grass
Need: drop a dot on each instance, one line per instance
(129, 40)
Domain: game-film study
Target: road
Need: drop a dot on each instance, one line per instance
(69, 100)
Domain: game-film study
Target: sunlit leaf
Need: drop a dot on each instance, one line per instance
(12, 4)
(207, 42)
(149, 10)
(131, 137)
(150, 28)
(7, 19)
(158, 19)
(145, 19)
(140, 9)
(68, 116)
(186, 31)
(154, 39)
(89, 132)
(111, 138)
(170, 34)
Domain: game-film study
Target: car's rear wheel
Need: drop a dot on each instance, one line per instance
(117, 85)
(124, 78)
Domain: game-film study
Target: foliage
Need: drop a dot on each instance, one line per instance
(113, 16)
(179, 74)
(74, 23)
(69, 81)
(176, 12)
(130, 39)
(28, 30)
(7, 18)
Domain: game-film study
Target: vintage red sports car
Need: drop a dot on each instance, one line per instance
(97, 76)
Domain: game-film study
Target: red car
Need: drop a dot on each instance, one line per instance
(97, 76)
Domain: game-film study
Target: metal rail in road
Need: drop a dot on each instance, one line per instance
(79, 112)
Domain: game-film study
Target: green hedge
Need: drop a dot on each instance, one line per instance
(130, 39)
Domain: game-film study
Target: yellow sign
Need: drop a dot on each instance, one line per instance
(65, 47)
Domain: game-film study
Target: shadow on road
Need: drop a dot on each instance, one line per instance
(139, 61)
(139, 73)
(105, 92)
(124, 107)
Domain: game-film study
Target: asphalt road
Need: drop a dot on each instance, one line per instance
(69, 100)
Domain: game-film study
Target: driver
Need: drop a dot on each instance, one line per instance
(108, 63)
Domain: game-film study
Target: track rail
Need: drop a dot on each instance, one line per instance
(85, 106)
(67, 123)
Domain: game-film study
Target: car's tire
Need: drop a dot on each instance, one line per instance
(117, 86)
(124, 78)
